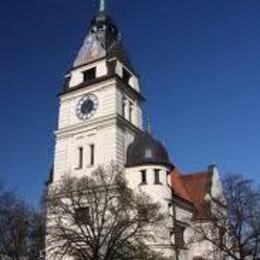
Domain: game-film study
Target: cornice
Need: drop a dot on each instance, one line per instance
(93, 83)
(95, 124)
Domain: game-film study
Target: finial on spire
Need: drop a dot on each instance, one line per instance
(102, 5)
(149, 125)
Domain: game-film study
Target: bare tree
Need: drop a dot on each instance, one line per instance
(36, 243)
(13, 227)
(21, 228)
(100, 218)
(232, 229)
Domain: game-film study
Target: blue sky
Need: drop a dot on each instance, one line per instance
(199, 65)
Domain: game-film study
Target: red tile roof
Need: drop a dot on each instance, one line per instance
(193, 188)
(178, 186)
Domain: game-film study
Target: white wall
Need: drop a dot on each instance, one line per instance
(106, 95)
(77, 75)
(159, 193)
(110, 141)
(109, 97)
(102, 70)
(133, 82)
(182, 215)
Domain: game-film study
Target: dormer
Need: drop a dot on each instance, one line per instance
(87, 74)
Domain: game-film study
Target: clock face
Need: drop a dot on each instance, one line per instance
(87, 106)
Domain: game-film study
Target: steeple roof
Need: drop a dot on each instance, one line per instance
(102, 41)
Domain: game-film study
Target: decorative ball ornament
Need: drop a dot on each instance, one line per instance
(87, 106)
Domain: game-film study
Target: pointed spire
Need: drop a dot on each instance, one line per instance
(102, 5)
(102, 41)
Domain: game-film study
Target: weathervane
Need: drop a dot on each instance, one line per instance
(102, 5)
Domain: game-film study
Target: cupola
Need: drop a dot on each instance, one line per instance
(145, 150)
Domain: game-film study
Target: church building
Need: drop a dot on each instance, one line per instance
(101, 120)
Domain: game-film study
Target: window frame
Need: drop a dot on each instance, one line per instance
(222, 236)
(143, 177)
(157, 180)
(126, 75)
(130, 111)
(179, 235)
(92, 155)
(80, 215)
(80, 157)
(124, 106)
(89, 74)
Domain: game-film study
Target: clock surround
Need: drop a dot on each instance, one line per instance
(87, 107)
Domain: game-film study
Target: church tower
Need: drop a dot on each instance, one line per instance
(100, 106)
(100, 120)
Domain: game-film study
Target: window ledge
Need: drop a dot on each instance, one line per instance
(78, 168)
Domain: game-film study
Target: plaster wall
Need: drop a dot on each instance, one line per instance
(77, 76)
(110, 98)
(133, 82)
(182, 214)
(160, 194)
(110, 144)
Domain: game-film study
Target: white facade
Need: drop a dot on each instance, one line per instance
(83, 145)
(161, 193)
(106, 129)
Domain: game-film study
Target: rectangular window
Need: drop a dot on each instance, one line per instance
(124, 107)
(143, 177)
(131, 109)
(80, 151)
(179, 235)
(157, 177)
(171, 234)
(126, 75)
(92, 154)
(82, 215)
(143, 214)
(222, 232)
(89, 74)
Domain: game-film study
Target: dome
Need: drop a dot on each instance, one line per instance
(146, 151)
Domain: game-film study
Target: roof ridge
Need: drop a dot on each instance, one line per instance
(195, 174)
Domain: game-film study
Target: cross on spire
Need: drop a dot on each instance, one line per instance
(102, 5)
